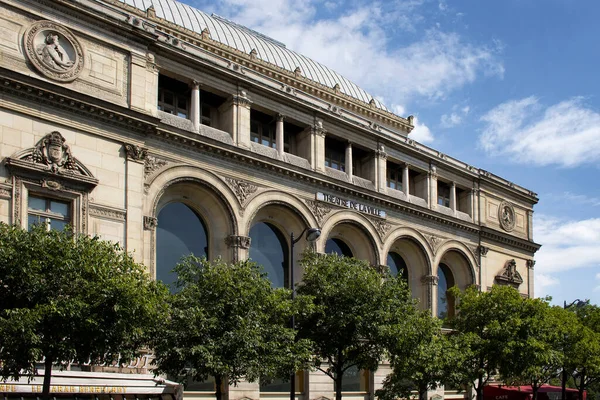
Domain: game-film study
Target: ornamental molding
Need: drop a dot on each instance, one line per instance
(509, 274)
(319, 209)
(105, 212)
(152, 164)
(236, 241)
(381, 226)
(242, 189)
(5, 192)
(434, 242)
(506, 216)
(54, 51)
(51, 161)
(135, 153)
(150, 223)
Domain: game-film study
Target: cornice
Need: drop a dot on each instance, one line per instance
(499, 237)
(292, 79)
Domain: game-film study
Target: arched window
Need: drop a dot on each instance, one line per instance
(397, 265)
(338, 247)
(269, 249)
(445, 304)
(180, 232)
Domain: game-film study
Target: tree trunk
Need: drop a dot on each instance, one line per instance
(219, 387)
(422, 392)
(581, 385)
(338, 384)
(534, 389)
(479, 388)
(47, 376)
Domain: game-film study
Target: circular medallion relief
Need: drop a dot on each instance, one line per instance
(54, 51)
(506, 215)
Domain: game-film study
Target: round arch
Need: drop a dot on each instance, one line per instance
(461, 262)
(356, 231)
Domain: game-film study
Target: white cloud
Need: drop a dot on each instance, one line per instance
(421, 132)
(358, 45)
(598, 276)
(542, 282)
(566, 244)
(455, 118)
(573, 198)
(566, 134)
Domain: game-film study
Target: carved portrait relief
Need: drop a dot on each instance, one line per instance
(54, 51)
(506, 216)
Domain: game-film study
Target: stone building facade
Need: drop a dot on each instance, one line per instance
(115, 112)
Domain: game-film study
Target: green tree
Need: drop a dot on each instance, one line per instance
(356, 312)
(583, 355)
(228, 322)
(534, 355)
(421, 359)
(484, 323)
(70, 298)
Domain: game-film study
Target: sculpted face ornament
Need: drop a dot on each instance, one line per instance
(54, 152)
(54, 51)
(506, 215)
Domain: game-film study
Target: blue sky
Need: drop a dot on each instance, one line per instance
(508, 86)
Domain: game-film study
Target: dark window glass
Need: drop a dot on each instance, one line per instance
(173, 96)
(180, 232)
(355, 380)
(54, 213)
(335, 159)
(445, 281)
(394, 176)
(269, 248)
(443, 194)
(338, 247)
(397, 266)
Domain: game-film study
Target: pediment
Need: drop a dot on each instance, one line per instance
(51, 159)
(509, 274)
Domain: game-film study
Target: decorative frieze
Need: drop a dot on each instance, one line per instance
(150, 223)
(242, 189)
(116, 214)
(236, 241)
(319, 210)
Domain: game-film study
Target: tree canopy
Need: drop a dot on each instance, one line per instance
(228, 322)
(66, 297)
(358, 312)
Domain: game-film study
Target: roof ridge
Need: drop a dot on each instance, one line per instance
(249, 30)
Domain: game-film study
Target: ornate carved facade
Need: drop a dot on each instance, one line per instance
(105, 120)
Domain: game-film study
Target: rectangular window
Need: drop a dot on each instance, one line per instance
(206, 114)
(443, 194)
(394, 176)
(355, 380)
(55, 214)
(173, 96)
(262, 129)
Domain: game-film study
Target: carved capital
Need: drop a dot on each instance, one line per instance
(235, 241)
(241, 100)
(279, 117)
(431, 280)
(135, 153)
(150, 223)
(530, 263)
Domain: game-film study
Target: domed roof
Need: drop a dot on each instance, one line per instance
(245, 39)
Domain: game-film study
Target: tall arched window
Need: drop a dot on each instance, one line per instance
(269, 249)
(397, 265)
(445, 304)
(180, 232)
(337, 246)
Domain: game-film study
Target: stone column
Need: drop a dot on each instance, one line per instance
(381, 173)
(195, 106)
(243, 119)
(134, 193)
(406, 180)
(318, 146)
(349, 161)
(530, 265)
(239, 246)
(432, 176)
(430, 288)
(279, 134)
(453, 196)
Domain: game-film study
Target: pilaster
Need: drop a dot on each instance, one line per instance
(134, 186)
(318, 146)
(430, 284)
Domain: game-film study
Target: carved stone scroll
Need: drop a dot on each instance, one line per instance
(242, 189)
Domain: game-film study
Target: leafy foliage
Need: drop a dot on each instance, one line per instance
(226, 321)
(357, 314)
(67, 297)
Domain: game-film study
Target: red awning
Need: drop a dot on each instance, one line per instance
(500, 392)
